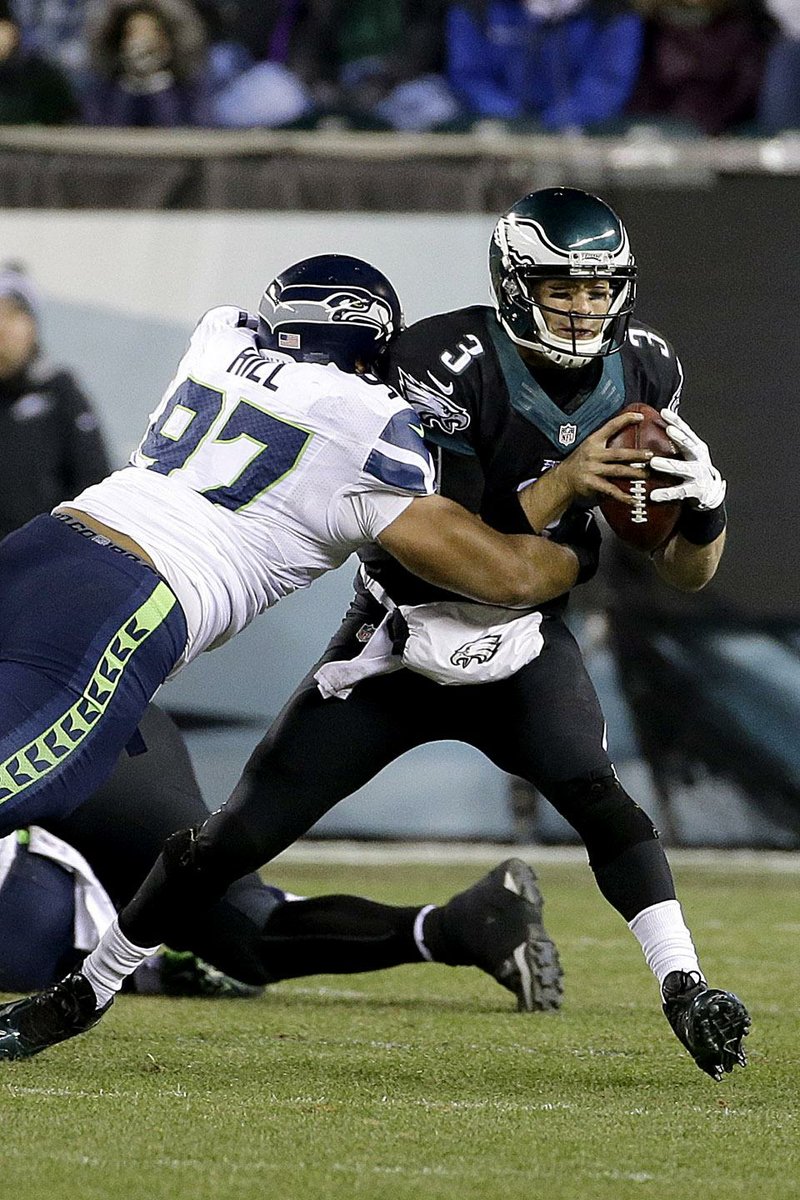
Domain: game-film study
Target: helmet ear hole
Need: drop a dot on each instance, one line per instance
(330, 309)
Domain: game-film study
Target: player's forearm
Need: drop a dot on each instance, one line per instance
(518, 570)
(547, 499)
(529, 570)
(688, 567)
(452, 549)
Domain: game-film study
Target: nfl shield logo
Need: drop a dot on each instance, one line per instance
(566, 434)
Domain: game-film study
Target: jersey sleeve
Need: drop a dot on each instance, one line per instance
(397, 468)
(662, 372)
(361, 517)
(399, 459)
(677, 393)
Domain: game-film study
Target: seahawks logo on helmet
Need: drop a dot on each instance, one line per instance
(323, 306)
(330, 308)
(479, 651)
(433, 406)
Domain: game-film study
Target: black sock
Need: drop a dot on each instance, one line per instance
(329, 935)
(636, 879)
(462, 935)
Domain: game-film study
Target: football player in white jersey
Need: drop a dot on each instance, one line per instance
(272, 456)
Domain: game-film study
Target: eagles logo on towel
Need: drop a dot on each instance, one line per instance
(480, 651)
(502, 642)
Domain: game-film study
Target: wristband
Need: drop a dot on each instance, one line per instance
(588, 559)
(701, 527)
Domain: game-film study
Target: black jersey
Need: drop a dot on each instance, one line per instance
(51, 446)
(493, 424)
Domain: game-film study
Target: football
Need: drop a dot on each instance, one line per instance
(646, 525)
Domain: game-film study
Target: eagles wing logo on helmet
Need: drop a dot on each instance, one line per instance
(479, 651)
(350, 306)
(507, 236)
(432, 405)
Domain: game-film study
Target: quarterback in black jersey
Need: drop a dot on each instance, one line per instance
(527, 390)
(518, 403)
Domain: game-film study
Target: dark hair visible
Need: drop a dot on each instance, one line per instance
(111, 36)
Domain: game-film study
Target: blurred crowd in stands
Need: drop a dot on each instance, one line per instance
(686, 67)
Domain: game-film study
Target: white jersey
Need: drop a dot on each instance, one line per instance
(257, 474)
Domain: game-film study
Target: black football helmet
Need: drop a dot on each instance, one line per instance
(330, 309)
(561, 233)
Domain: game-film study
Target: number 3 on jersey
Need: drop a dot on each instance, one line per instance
(180, 439)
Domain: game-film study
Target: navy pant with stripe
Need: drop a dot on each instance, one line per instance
(37, 914)
(87, 635)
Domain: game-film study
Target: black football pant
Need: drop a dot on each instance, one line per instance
(248, 932)
(544, 724)
(122, 827)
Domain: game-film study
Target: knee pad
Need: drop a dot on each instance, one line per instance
(602, 812)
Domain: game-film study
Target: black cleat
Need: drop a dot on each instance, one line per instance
(497, 925)
(181, 973)
(59, 1012)
(709, 1022)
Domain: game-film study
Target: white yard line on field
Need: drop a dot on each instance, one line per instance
(351, 853)
(212, 1166)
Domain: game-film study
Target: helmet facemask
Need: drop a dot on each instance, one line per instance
(570, 346)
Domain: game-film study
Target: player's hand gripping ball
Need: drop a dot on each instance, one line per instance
(647, 524)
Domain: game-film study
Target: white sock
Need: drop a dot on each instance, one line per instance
(666, 941)
(112, 960)
(418, 932)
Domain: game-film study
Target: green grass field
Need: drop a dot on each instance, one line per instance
(424, 1081)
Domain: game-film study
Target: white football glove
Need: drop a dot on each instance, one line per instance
(701, 482)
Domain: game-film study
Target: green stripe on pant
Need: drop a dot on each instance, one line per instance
(32, 762)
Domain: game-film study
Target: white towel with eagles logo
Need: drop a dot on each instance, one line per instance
(450, 642)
